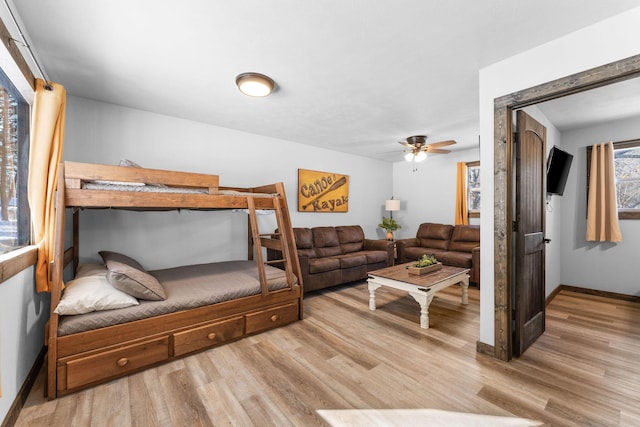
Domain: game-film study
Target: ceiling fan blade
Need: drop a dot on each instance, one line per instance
(437, 150)
(405, 144)
(442, 143)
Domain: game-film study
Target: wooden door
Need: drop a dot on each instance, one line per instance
(529, 271)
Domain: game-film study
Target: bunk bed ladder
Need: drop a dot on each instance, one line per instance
(260, 240)
(283, 242)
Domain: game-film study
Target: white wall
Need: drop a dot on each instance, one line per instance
(592, 265)
(607, 41)
(105, 133)
(23, 314)
(427, 190)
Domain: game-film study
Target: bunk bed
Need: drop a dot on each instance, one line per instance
(83, 351)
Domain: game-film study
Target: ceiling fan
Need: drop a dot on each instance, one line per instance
(418, 147)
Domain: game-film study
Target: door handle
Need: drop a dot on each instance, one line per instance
(547, 240)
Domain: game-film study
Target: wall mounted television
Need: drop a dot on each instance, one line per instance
(558, 165)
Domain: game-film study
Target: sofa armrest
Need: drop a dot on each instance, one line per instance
(401, 244)
(475, 266)
(377, 245)
(274, 254)
(304, 265)
(380, 245)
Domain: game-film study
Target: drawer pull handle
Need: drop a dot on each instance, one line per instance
(274, 317)
(212, 336)
(122, 362)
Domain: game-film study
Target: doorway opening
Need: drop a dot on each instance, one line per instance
(504, 202)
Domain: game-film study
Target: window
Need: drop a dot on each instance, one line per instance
(626, 162)
(473, 189)
(14, 161)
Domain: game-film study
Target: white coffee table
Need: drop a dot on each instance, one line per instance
(421, 288)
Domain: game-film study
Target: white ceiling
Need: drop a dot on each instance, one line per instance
(354, 76)
(596, 106)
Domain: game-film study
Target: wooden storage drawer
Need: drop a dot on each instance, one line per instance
(110, 363)
(207, 335)
(270, 318)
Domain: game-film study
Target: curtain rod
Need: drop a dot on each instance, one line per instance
(24, 43)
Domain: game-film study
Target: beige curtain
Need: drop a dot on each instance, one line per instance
(602, 212)
(47, 142)
(462, 214)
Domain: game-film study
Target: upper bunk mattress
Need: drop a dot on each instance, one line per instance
(152, 188)
(139, 187)
(186, 287)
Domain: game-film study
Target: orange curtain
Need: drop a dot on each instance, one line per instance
(47, 143)
(462, 214)
(602, 212)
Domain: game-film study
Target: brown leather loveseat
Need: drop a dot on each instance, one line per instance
(458, 246)
(332, 256)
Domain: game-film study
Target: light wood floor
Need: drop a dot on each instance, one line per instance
(584, 371)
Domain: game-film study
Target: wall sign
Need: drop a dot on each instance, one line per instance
(322, 191)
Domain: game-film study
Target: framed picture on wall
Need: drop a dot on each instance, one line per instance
(322, 191)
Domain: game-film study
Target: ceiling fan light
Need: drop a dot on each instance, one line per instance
(421, 156)
(408, 157)
(254, 84)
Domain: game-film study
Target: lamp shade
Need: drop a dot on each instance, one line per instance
(392, 205)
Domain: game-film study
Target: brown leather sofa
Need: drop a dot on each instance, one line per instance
(458, 246)
(332, 256)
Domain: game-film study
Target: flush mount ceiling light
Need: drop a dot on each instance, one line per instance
(254, 84)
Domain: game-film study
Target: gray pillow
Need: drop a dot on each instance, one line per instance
(127, 275)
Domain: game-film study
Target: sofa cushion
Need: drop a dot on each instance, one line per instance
(374, 257)
(351, 238)
(416, 252)
(358, 272)
(320, 265)
(351, 260)
(304, 242)
(433, 235)
(454, 258)
(325, 240)
(465, 238)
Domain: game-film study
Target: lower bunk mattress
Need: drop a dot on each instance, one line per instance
(186, 287)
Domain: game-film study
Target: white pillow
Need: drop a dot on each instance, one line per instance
(91, 270)
(90, 291)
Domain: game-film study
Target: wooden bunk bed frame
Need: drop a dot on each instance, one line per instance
(88, 358)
